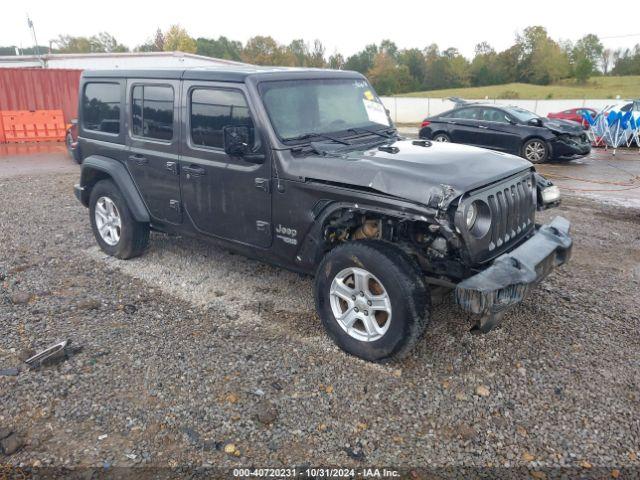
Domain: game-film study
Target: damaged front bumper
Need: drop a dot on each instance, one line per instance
(511, 276)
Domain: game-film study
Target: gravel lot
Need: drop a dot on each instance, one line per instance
(194, 356)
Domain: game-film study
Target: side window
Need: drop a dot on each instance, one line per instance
(101, 107)
(465, 113)
(493, 115)
(152, 112)
(214, 109)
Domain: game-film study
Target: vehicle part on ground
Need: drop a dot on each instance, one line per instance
(55, 353)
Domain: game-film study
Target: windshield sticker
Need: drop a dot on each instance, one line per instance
(376, 112)
(360, 84)
(368, 95)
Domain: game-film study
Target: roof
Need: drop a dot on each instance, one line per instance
(223, 73)
(69, 56)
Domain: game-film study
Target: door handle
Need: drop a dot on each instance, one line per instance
(139, 159)
(194, 170)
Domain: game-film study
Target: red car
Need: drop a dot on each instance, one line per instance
(575, 115)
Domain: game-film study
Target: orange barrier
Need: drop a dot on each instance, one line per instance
(18, 126)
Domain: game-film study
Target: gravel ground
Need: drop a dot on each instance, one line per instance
(194, 356)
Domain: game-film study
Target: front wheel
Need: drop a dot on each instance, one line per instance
(372, 299)
(535, 150)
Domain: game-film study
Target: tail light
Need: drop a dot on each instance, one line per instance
(425, 123)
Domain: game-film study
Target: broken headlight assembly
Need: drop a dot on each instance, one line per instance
(478, 218)
(550, 194)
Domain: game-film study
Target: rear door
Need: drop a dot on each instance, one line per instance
(499, 131)
(464, 125)
(154, 141)
(223, 195)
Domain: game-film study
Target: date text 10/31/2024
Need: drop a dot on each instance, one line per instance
(315, 473)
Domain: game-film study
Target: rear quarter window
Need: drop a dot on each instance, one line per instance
(101, 107)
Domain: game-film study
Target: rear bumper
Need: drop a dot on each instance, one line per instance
(511, 276)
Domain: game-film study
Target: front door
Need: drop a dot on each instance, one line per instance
(222, 195)
(154, 142)
(500, 132)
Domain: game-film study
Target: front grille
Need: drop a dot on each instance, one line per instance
(512, 205)
(510, 209)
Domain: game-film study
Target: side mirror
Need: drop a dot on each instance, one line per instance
(236, 140)
(535, 122)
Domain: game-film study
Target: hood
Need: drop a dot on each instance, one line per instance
(431, 175)
(557, 125)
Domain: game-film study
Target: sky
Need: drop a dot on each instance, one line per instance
(342, 25)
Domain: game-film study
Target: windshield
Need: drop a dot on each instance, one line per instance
(304, 108)
(521, 114)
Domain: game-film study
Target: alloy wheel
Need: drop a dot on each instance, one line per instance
(535, 151)
(360, 304)
(108, 221)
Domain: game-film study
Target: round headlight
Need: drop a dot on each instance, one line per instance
(472, 214)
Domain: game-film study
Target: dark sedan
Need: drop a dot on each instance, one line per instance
(508, 129)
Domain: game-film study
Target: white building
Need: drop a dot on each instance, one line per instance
(98, 61)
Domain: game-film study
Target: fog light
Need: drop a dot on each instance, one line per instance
(550, 194)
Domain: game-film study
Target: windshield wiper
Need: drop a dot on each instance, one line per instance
(307, 136)
(374, 132)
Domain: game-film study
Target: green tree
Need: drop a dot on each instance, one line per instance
(387, 77)
(221, 47)
(336, 61)
(103, 42)
(261, 50)
(362, 61)
(414, 60)
(299, 51)
(176, 39)
(316, 56)
(542, 61)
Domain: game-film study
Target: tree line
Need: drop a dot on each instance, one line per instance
(533, 58)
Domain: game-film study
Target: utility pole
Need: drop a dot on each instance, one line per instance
(35, 40)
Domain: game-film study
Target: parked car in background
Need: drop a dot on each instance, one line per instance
(71, 140)
(508, 129)
(575, 115)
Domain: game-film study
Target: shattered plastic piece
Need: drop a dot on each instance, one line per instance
(9, 372)
(54, 354)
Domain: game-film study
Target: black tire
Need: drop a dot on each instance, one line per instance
(401, 278)
(134, 235)
(441, 137)
(528, 148)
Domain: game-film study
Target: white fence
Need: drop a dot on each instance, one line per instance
(414, 109)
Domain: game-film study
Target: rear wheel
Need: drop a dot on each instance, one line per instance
(535, 150)
(118, 234)
(372, 299)
(441, 137)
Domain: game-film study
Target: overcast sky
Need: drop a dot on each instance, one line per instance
(342, 25)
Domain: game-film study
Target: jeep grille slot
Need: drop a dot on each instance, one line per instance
(512, 206)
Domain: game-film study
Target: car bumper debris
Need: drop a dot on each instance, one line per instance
(511, 276)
